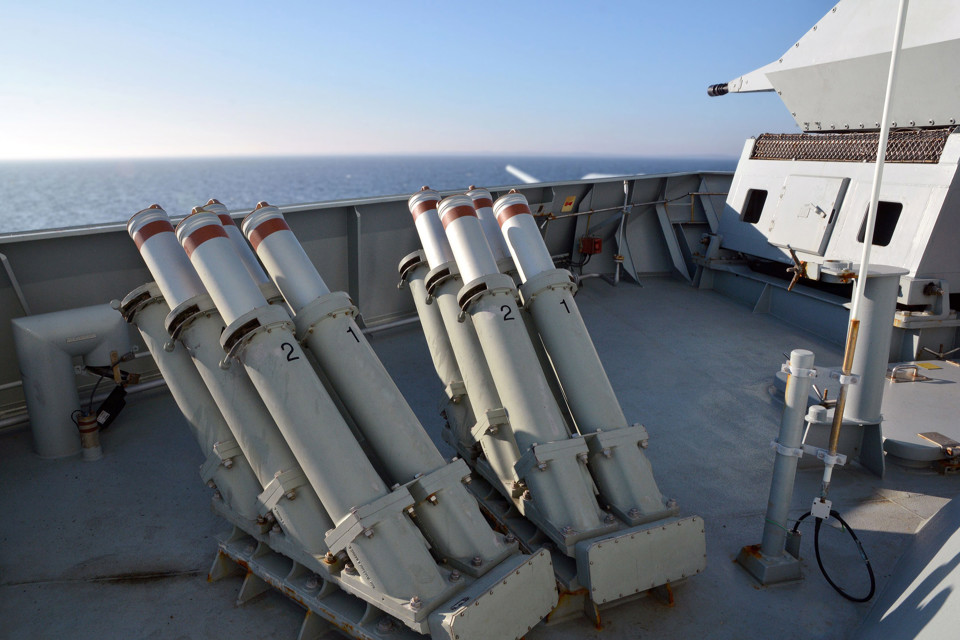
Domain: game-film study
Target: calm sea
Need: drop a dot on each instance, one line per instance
(45, 195)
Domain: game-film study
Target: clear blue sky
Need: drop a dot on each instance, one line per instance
(171, 78)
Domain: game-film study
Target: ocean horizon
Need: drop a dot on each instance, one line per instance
(49, 194)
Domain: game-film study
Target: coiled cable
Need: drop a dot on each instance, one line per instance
(823, 570)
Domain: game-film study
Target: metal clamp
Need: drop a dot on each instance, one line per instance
(822, 454)
(222, 453)
(844, 378)
(410, 262)
(796, 452)
(282, 485)
(799, 372)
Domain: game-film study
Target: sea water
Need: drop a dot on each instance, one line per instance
(55, 194)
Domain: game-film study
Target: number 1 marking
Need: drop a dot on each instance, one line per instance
(350, 331)
(564, 303)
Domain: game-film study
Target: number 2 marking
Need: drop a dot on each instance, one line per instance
(287, 348)
(350, 331)
(506, 312)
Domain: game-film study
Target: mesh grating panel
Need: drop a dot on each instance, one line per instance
(910, 145)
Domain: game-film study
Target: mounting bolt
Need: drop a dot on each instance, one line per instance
(634, 513)
(509, 538)
(228, 463)
(526, 495)
(671, 503)
(329, 558)
(415, 603)
(567, 530)
(261, 520)
(607, 452)
(432, 499)
(454, 576)
(217, 495)
(290, 495)
(367, 531)
(583, 457)
(609, 519)
(211, 484)
(350, 569)
(276, 529)
(466, 479)
(312, 582)
(411, 512)
(644, 444)
(385, 625)
(542, 466)
(477, 561)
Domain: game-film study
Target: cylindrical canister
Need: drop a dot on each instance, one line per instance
(160, 250)
(233, 291)
(239, 242)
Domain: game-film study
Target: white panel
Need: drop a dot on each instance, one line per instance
(806, 212)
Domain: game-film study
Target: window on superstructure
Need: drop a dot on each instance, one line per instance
(888, 214)
(753, 205)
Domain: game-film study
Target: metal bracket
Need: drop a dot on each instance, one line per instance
(844, 379)
(329, 305)
(236, 336)
(222, 452)
(799, 372)
(796, 452)
(822, 454)
(282, 484)
(490, 424)
(455, 390)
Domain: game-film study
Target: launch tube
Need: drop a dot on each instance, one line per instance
(452, 521)
(621, 469)
(413, 269)
(564, 495)
(443, 282)
(371, 525)
(236, 237)
(483, 205)
(198, 325)
(165, 261)
(235, 480)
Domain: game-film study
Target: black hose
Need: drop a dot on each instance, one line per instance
(823, 570)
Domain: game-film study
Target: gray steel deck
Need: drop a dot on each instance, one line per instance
(120, 547)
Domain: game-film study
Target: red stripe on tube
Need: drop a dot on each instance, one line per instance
(201, 235)
(264, 229)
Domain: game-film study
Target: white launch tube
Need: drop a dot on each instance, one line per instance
(304, 520)
(283, 256)
(153, 234)
(239, 242)
(231, 474)
(622, 471)
(432, 237)
(413, 269)
(562, 491)
(233, 290)
(452, 521)
(500, 447)
(467, 240)
(371, 524)
(522, 235)
(483, 204)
